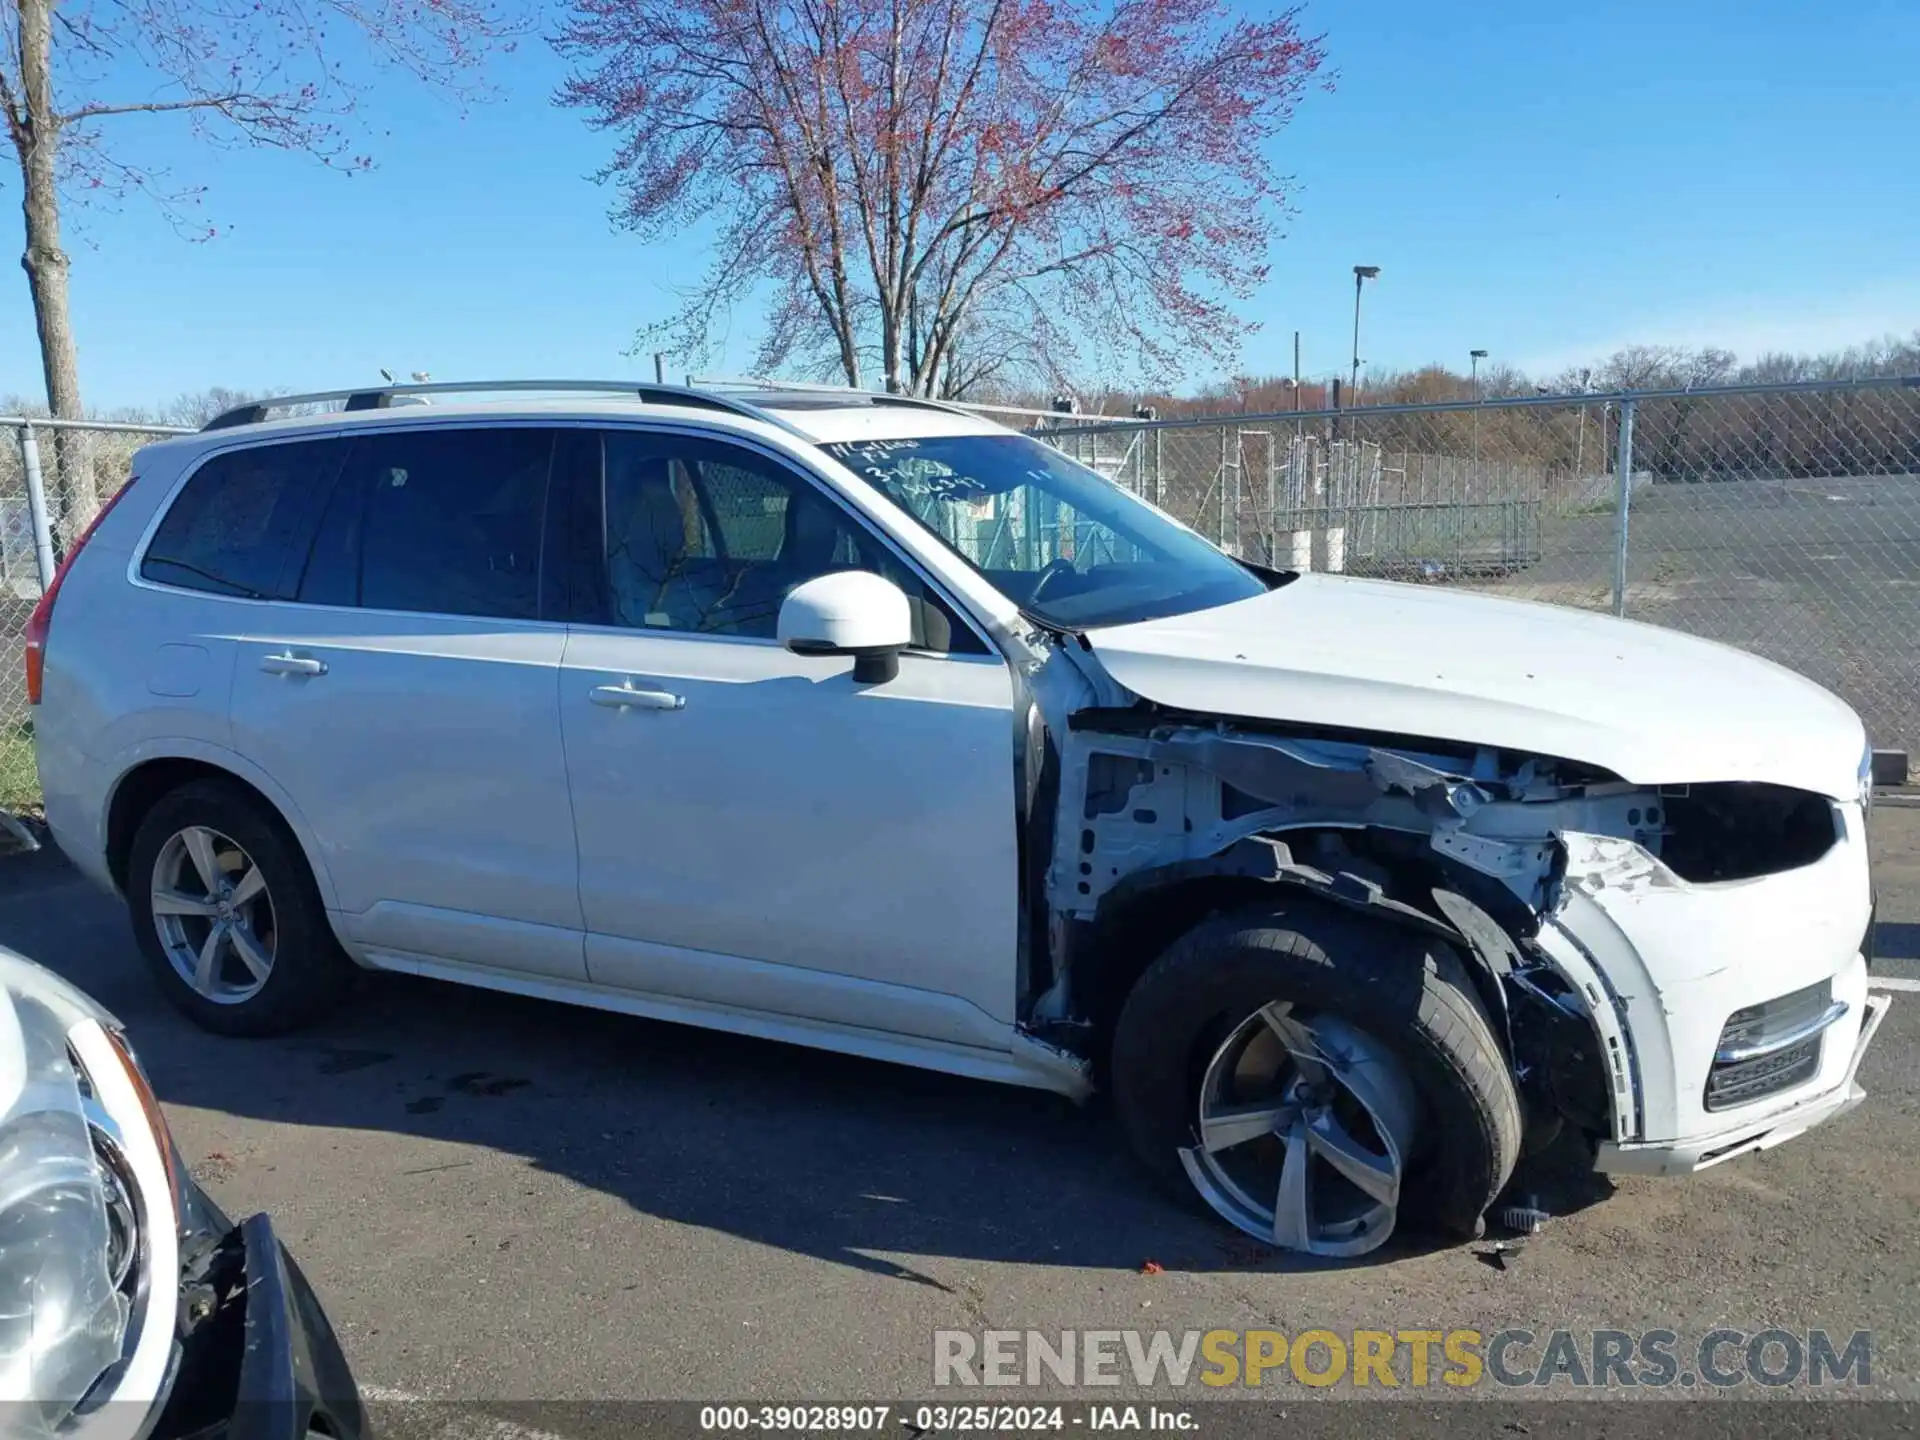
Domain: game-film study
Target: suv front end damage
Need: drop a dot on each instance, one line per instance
(1676, 971)
(1745, 1001)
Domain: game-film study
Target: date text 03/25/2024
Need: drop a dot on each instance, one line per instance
(942, 1419)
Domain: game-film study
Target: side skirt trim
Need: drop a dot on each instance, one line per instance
(1025, 1062)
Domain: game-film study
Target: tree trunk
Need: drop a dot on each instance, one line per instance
(849, 352)
(36, 137)
(890, 349)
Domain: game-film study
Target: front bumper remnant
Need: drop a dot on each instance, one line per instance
(1757, 1133)
(264, 1364)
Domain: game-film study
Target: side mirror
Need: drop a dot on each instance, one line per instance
(850, 612)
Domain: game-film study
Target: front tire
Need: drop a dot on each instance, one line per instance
(1317, 1079)
(227, 915)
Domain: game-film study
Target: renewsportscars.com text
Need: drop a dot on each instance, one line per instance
(1721, 1358)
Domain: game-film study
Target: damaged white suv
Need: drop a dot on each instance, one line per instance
(864, 723)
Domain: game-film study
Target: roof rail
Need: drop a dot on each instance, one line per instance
(882, 397)
(768, 382)
(382, 397)
(710, 383)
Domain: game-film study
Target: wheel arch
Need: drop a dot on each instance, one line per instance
(157, 771)
(1143, 915)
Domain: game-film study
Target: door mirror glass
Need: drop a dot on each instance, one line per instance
(850, 612)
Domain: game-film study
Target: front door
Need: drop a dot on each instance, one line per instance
(756, 830)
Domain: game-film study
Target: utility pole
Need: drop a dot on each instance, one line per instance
(1361, 274)
(1296, 369)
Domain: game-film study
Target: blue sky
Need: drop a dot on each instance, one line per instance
(1544, 180)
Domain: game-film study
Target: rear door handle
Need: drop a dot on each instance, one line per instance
(292, 664)
(624, 697)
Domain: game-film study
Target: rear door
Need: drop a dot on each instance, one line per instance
(402, 686)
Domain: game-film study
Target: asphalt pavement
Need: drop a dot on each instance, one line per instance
(504, 1200)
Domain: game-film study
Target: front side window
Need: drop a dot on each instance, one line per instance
(444, 522)
(704, 537)
(1064, 544)
(232, 525)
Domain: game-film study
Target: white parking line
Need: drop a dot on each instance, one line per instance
(454, 1422)
(1891, 982)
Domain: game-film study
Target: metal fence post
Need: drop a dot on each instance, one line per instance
(1230, 503)
(1220, 518)
(37, 506)
(1273, 497)
(1623, 497)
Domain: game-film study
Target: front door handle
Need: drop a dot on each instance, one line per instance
(624, 697)
(292, 664)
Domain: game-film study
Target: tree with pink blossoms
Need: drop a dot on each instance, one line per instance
(940, 193)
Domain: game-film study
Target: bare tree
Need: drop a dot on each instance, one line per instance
(197, 407)
(1664, 367)
(926, 181)
(258, 72)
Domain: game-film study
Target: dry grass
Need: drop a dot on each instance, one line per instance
(19, 775)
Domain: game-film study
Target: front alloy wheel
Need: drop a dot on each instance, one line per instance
(1317, 1078)
(1304, 1126)
(214, 915)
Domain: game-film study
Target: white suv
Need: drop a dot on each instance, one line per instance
(864, 723)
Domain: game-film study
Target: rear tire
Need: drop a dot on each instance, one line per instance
(1401, 1070)
(227, 915)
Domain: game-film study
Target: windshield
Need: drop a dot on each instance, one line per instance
(1067, 546)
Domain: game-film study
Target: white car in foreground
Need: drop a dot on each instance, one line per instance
(131, 1307)
(861, 722)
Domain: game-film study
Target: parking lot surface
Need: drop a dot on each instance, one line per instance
(499, 1199)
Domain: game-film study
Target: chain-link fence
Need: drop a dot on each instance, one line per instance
(54, 476)
(1784, 519)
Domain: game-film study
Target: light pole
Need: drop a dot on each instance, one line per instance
(1361, 274)
(1476, 356)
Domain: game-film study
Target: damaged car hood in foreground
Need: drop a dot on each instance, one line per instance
(1650, 705)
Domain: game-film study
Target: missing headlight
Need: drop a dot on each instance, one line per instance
(1738, 830)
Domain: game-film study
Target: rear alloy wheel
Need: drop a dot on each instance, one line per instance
(227, 913)
(213, 912)
(1304, 1127)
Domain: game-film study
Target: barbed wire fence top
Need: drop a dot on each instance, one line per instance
(1782, 519)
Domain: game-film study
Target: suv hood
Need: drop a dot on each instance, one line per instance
(1653, 706)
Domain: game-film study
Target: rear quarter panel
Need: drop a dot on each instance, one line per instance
(131, 670)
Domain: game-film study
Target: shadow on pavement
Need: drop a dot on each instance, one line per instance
(841, 1159)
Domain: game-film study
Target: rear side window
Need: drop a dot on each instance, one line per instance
(445, 522)
(232, 526)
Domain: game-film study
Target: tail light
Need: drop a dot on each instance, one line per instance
(36, 634)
